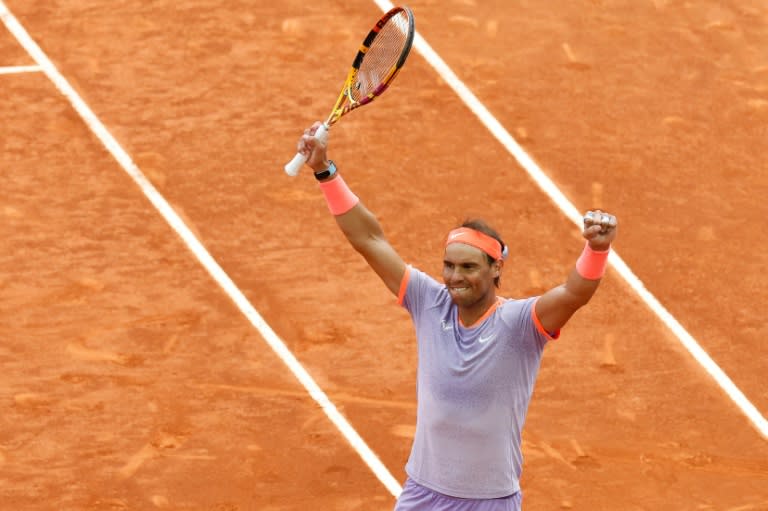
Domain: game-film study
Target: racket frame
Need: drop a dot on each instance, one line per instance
(346, 102)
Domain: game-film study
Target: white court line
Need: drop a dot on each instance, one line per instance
(570, 211)
(9, 70)
(197, 248)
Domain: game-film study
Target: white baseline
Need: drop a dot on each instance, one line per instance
(11, 70)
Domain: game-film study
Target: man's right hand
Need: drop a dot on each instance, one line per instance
(314, 148)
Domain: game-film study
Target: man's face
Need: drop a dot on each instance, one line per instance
(467, 274)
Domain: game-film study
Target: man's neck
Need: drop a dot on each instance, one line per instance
(470, 315)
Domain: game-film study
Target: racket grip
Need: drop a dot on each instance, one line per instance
(293, 167)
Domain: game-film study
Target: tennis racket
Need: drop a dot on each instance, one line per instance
(376, 64)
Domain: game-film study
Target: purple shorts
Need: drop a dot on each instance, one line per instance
(418, 498)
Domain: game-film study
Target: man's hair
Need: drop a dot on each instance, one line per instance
(480, 225)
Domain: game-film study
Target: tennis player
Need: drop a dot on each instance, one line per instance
(478, 353)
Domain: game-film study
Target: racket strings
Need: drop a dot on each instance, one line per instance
(383, 55)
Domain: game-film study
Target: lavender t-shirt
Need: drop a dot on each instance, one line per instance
(474, 385)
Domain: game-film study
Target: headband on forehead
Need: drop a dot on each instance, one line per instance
(477, 239)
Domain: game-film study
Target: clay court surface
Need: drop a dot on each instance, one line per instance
(131, 381)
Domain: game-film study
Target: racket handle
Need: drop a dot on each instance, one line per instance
(293, 167)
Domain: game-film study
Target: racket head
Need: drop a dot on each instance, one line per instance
(378, 61)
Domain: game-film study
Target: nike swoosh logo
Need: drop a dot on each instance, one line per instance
(483, 340)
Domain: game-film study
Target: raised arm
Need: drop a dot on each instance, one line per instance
(359, 225)
(555, 307)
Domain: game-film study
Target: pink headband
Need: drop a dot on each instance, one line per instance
(477, 239)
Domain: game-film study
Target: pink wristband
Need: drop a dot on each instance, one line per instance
(339, 197)
(591, 263)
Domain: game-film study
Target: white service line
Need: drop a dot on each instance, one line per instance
(570, 211)
(200, 252)
(10, 70)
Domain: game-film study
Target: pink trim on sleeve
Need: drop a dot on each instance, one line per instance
(404, 285)
(549, 335)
